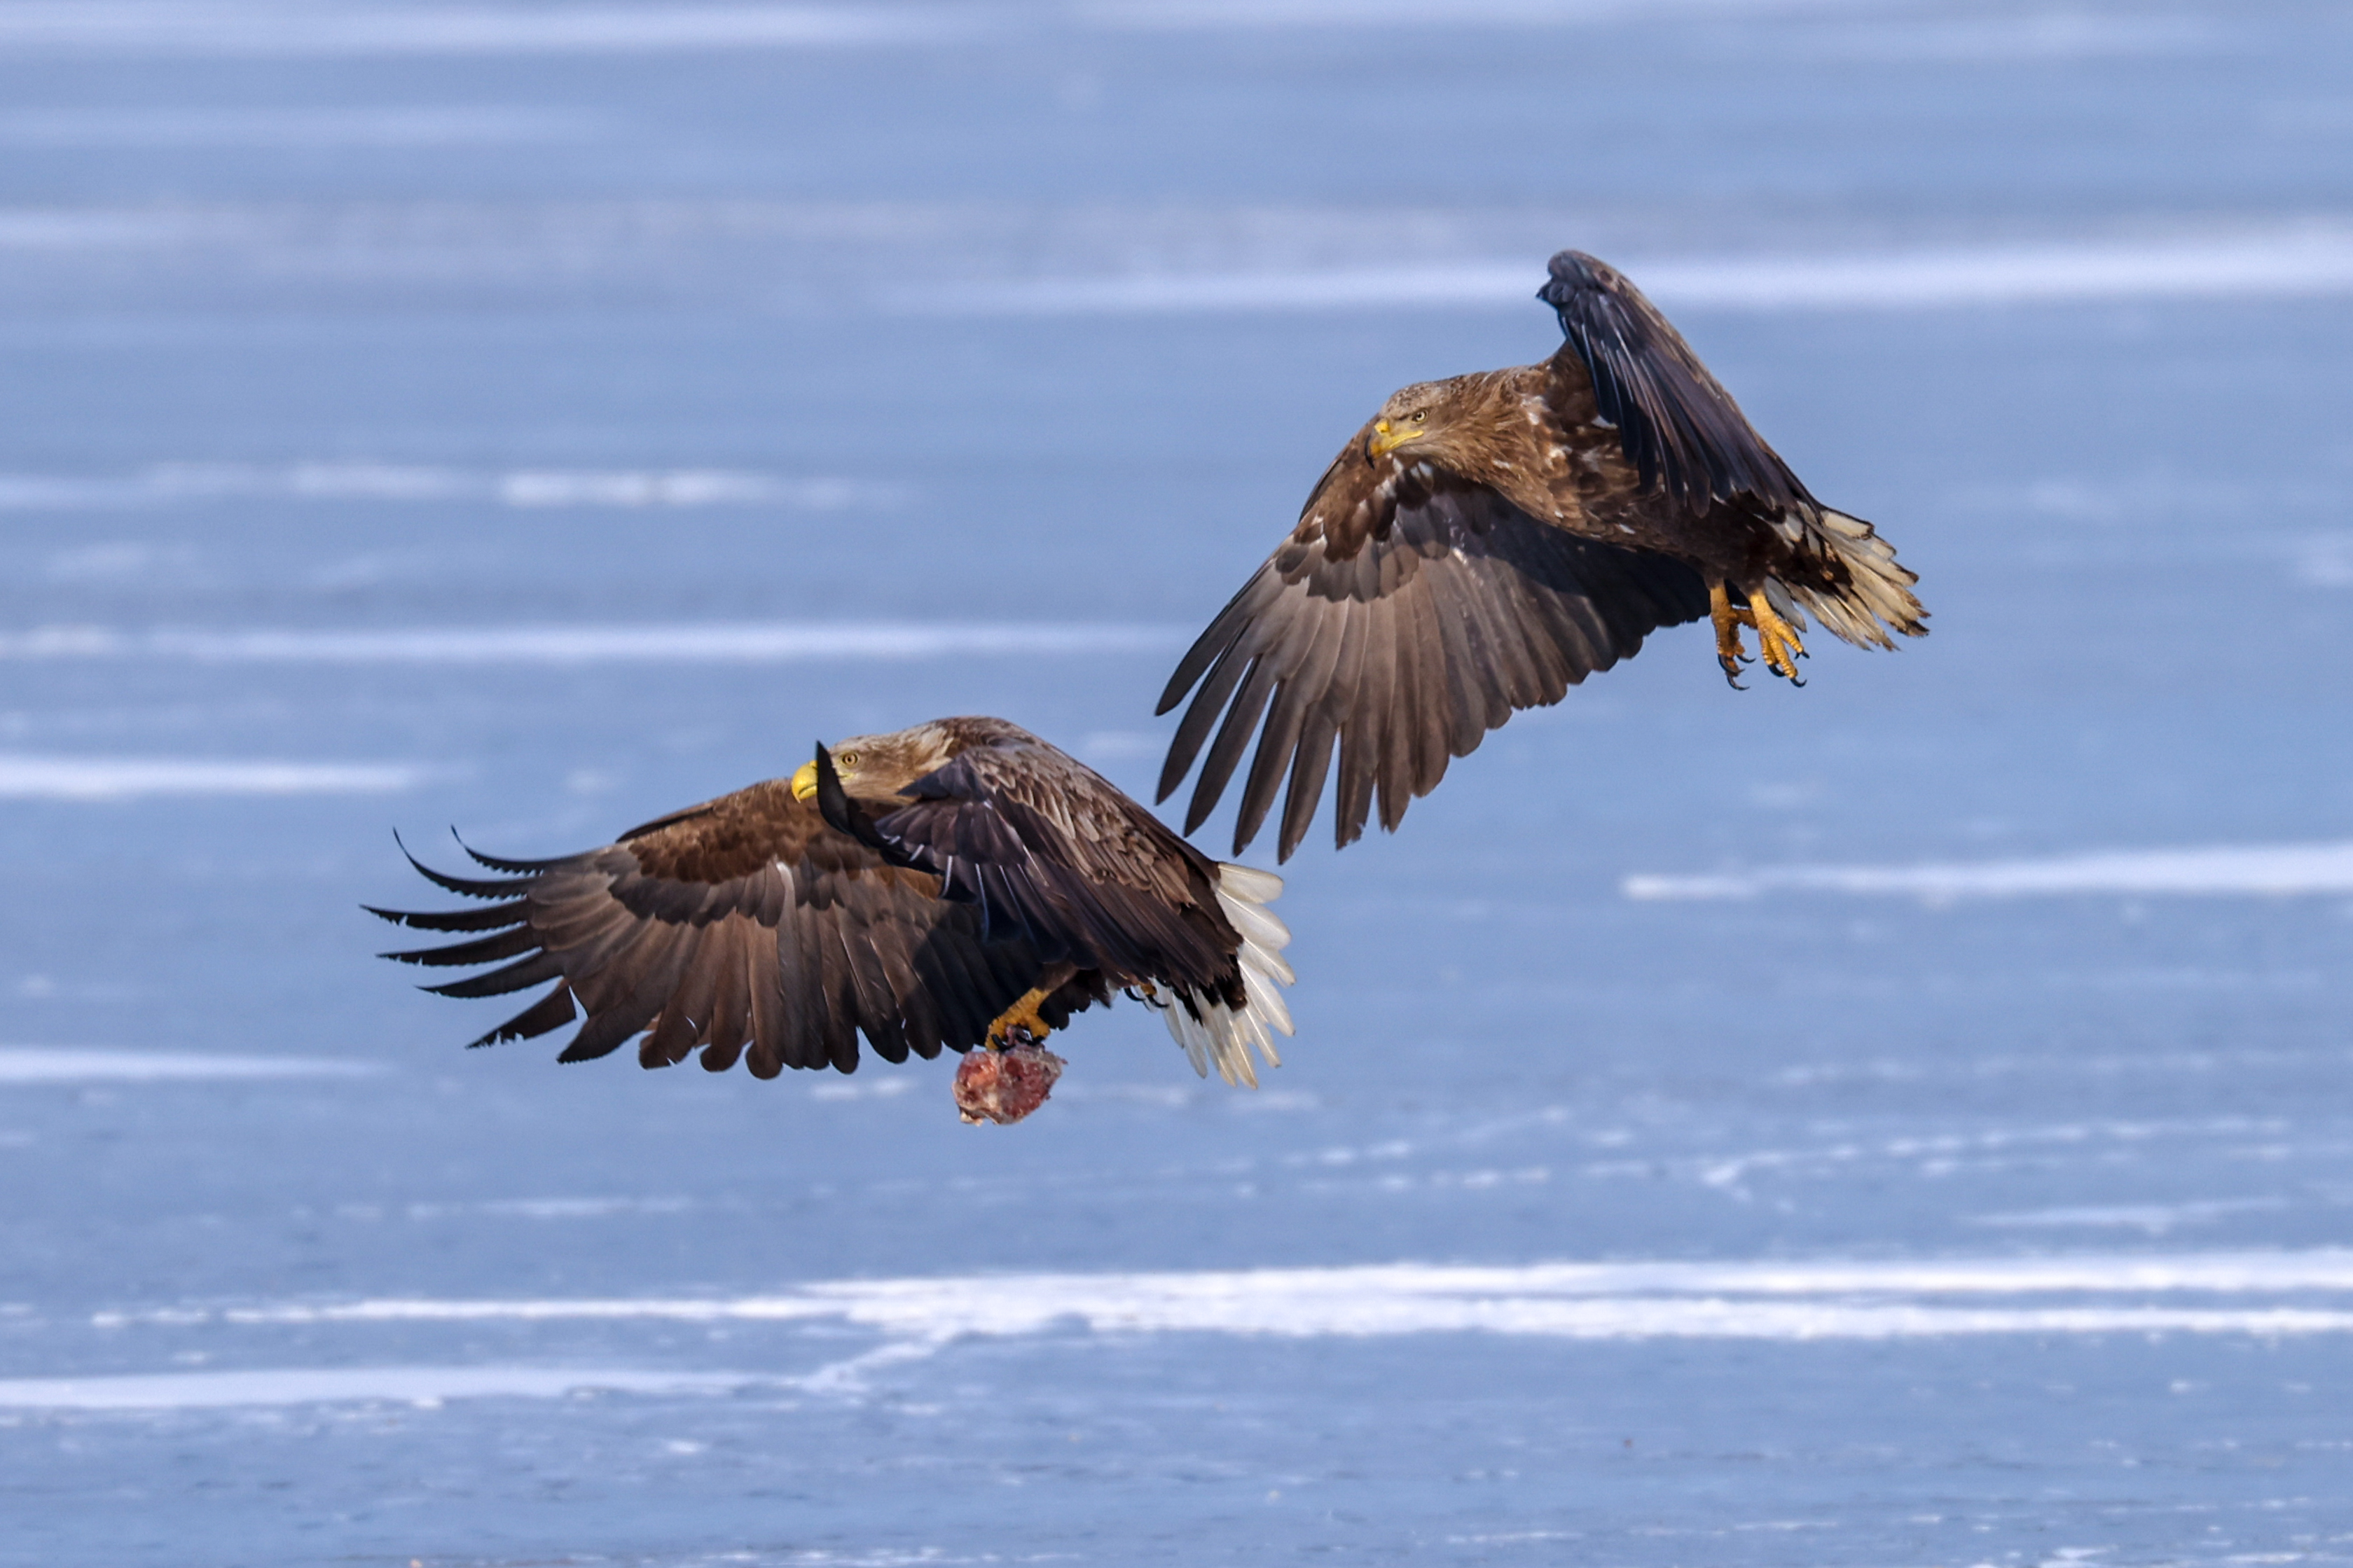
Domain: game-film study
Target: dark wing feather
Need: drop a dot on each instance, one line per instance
(1402, 627)
(491, 919)
(1050, 851)
(1679, 427)
(742, 926)
(552, 1011)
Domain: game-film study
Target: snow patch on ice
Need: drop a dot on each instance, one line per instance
(871, 1089)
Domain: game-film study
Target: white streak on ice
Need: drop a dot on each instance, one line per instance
(540, 488)
(715, 643)
(1491, 285)
(2304, 260)
(267, 29)
(128, 778)
(1323, 15)
(2326, 560)
(2155, 1218)
(261, 29)
(916, 1318)
(2275, 870)
(381, 128)
(68, 1064)
(2317, 259)
(305, 1385)
(1765, 1301)
(1865, 29)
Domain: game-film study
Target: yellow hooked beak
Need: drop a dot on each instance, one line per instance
(804, 781)
(1386, 438)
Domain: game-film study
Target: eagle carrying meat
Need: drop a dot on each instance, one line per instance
(1487, 541)
(957, 883)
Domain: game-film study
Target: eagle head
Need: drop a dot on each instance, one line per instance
(876, 767)
(1413, 415)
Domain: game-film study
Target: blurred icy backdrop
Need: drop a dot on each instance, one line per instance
(1901, 1121)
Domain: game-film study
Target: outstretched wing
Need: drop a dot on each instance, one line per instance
(1407, 616)
(1679, 427)
(1044, 847)
(743, 927)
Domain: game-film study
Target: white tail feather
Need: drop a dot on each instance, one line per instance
(1267, 1001)
(1215, 1035)
(1878, 590)
(1258, 928)
(1251, 885)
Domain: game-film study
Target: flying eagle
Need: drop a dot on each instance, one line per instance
(1487, 541)
(955, 883)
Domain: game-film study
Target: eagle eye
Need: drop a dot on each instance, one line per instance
(1419, 415)
(848, 759)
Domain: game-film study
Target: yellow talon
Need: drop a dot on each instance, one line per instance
(1776, 638)
(1728, 622)
(1020, 1025)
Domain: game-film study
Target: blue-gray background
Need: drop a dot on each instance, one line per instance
(326, 321)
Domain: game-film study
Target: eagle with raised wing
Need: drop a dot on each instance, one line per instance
(1487, 541)
(958, 884)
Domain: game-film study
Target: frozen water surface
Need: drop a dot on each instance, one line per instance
(1903, 1121)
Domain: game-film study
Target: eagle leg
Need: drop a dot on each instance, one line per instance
(1776, 639)
(1020, 1025)
(1728, 622)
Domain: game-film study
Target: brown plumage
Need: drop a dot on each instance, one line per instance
(955, 882)
(1485, 542)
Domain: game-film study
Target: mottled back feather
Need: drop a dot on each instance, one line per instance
(1043, 846)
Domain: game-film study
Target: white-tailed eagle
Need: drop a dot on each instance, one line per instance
(1487, 541)
(952, 884)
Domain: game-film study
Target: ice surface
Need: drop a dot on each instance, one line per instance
(538, 416)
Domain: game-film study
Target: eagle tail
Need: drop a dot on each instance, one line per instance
(1216, 1034)
(1864, 594)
